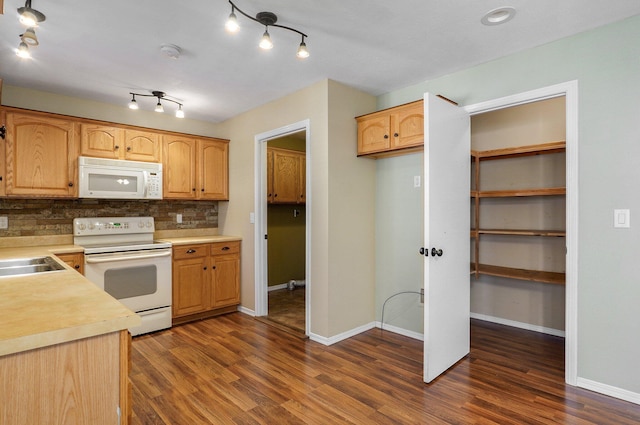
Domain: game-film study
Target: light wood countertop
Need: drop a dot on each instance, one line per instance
(50, 308)
(188, 240)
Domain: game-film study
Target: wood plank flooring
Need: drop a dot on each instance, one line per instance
(233, 369)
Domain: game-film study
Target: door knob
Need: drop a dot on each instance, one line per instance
(435, 252)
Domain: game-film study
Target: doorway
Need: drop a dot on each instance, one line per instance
(569, 91)
(282, 236)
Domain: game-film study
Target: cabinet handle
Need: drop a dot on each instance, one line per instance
(128, 148)
(77, 266)
(0, 178)
(205, 268)
(190, 251)
(213, 267)
(275, 196)
(3, 132)
(202, 190)
(395, 134)
(70, 184)
(386, 136)
(194, 189)
(226, 248)
(117, 147)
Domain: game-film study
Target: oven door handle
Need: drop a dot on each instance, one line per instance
(90, 260)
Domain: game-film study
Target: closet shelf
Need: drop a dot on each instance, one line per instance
(521, 274)
(519, 232)
(543, 148)
(547, 191)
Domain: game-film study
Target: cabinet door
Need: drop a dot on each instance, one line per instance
(190, 286)
(373, 134)
(3, 171)
(408, 125)
(303, 179)
(179, 168)
(41, 154)
(286, 177)
(213, 170)
(142, 146)
(75, 260)
(101, 141)
(226, 280)
(269, 176)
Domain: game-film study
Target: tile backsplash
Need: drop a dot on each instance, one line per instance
(42, 217)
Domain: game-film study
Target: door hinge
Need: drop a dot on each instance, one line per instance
(265, 236)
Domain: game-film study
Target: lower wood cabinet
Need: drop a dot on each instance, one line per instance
(75, 260)
(77, 383)
(206, 280)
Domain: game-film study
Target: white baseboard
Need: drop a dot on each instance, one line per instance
(609, 390)
(521, 325)
(245, 310)
(401, 331)
(337, 338)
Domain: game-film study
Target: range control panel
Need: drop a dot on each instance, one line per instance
(112, 226)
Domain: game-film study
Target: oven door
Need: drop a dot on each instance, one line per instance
(141, 280)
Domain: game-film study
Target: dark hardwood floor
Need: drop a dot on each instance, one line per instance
(233, 369)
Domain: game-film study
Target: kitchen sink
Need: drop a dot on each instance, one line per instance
(21, 266)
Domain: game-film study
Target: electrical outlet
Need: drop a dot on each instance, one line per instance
(178, 218)
(4, 222)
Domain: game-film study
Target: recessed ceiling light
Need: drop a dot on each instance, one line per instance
(498, 16)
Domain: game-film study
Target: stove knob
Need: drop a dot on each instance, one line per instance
(91, 226)
(141, 224)
(82, 226)
(149, 224)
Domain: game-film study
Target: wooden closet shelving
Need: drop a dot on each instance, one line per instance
(477, 194)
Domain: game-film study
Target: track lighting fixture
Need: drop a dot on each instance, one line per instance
(30, 18)
(267, 19)
(160, 95)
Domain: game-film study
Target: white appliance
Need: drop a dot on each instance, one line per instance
(118, 179)
(121, 257)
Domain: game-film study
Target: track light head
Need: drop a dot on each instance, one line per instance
(30, 17)
(23, 51)
(265, 41)
(160, 96)
(232, 22)
(302, 52)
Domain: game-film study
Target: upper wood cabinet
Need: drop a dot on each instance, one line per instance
(40, 155)
(391, 131)
(119, 143)
(286, 170)
(195, 168)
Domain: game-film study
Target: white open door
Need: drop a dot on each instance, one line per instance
(446, 235)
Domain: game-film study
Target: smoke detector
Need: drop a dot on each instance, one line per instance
(171, 51)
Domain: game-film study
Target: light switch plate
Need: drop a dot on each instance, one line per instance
(416, 181)
(621, 218)
(4, 222)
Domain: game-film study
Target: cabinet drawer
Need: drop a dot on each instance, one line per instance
(182, 252)
(218, 248)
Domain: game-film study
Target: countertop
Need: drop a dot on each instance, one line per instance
(50, 308)
(188, 240)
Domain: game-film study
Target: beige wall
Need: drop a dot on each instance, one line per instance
(341, 277)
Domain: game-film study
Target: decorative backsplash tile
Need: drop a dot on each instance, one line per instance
(41, 217)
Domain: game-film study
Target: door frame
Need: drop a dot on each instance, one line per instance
(570, 91)
(260, 228)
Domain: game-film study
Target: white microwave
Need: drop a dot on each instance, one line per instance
(117, 179)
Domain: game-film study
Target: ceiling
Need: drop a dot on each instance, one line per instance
(103, 50)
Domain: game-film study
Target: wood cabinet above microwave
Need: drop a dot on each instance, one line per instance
(113, 142)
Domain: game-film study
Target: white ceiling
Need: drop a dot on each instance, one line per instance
(102, 50)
